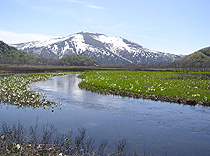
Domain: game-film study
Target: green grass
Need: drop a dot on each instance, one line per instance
(166, 86)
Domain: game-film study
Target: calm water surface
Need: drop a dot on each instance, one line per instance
(160, 128)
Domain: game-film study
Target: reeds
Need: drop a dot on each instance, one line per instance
(16, 140)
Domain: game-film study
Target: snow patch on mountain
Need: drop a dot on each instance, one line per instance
(116, 42)
(79, 42)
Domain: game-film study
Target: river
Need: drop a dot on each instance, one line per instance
(159, 128)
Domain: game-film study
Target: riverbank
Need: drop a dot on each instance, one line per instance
(179, 87)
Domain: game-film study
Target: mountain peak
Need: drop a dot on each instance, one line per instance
(102, 48)
(88, 33)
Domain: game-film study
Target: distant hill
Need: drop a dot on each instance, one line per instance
(202, 55)
(198, 59)
(77, 60)
(11, 55)
(12, 52)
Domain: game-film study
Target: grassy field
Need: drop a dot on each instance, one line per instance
(180, 87)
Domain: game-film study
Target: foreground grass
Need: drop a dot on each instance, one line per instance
(15, 90)
(180, 87)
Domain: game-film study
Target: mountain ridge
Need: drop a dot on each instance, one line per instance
(102, 48)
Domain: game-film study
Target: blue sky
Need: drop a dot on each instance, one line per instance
(174, 26)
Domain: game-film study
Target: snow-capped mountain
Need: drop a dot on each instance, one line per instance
(103, 49)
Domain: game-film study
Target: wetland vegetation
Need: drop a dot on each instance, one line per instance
(15, 89)
(179, 87)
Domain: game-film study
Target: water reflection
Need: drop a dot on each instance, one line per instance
(158, 127)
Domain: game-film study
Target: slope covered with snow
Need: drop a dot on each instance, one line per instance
(102, 48)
